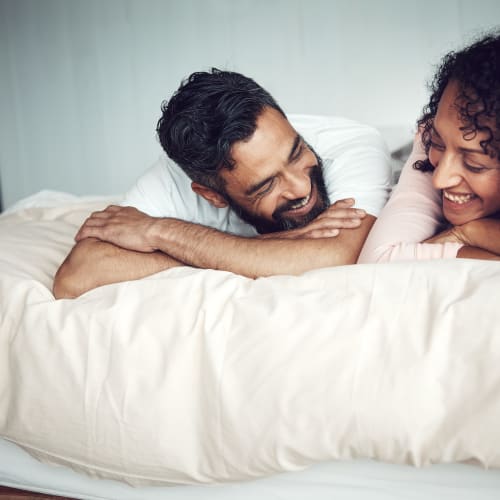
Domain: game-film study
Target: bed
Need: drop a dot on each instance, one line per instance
(357, 382)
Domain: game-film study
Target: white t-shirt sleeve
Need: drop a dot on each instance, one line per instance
(152, 193)
(165, 191)
(355, 156)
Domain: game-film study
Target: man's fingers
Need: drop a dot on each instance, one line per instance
(99, 215)
(90, 227)
(347, 223)
(345, 213)
(323, 233)
(346, 202)
(338, 214)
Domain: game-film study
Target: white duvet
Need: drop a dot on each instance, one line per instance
(204, 376)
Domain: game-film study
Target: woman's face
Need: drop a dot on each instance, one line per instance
(467, 177)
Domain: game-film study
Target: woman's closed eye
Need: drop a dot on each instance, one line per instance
(475, 169)
(436, 145)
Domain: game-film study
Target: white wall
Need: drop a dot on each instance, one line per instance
(81, 81)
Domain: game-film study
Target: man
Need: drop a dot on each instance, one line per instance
(241, 190)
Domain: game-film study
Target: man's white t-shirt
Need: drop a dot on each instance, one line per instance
(356, 165)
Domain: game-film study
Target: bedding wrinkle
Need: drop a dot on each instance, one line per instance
(272, 323)
(94, 327)
(201, 376)
(372, 386)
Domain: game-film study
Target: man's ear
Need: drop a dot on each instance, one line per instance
(213, 197)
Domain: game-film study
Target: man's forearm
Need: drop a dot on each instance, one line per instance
(204, 247)
(93, 263)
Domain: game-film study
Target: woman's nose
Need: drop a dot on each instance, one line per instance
(447, 171)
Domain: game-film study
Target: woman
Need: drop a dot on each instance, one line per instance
(447, 201)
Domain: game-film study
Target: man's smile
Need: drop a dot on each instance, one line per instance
(302, 206)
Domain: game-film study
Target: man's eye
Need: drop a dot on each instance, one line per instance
(298, 153)
(266, 189)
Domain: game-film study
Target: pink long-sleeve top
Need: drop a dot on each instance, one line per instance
(412, 214)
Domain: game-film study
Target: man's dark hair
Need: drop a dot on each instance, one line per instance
(476, 69)
(204, 118)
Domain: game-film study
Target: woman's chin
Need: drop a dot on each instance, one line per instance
(458, 214)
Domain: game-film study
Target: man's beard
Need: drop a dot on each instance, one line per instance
(280, 221)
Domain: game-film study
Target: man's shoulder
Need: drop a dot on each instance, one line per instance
(161, 189)
(164, 168)
(318, 123)
(331, 135)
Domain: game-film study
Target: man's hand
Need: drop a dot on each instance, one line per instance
(339, 215)
(125, 227)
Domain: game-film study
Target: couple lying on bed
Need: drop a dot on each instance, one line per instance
(245, 189)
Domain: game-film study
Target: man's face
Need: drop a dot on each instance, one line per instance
(277, 182)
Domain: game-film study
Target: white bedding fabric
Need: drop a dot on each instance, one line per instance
(344, 480)
(195, 376)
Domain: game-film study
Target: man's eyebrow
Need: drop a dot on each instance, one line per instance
(295, 146)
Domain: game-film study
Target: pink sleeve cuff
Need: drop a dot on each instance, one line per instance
(420, 251)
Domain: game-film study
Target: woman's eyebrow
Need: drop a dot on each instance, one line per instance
(462, 149)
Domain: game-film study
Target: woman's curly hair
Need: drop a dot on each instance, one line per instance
(476, 69)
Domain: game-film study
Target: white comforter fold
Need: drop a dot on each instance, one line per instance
(201, 376)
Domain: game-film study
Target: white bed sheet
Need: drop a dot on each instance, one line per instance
(342, 480)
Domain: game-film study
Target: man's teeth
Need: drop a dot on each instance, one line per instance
(301, 203)
(459, 198)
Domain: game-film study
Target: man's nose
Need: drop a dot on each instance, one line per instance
(297, 185)
(447, 172)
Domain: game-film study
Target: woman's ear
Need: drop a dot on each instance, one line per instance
(213, 197)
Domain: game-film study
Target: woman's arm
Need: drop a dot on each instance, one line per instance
(480, 239)
(412, 215)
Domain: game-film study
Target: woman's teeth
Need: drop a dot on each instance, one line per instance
(459, 198)
(301, 203)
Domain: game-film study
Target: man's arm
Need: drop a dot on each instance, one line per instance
(205, 247)
(124, 256)
(92, 263)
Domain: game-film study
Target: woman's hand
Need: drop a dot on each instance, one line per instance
(482, 234)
